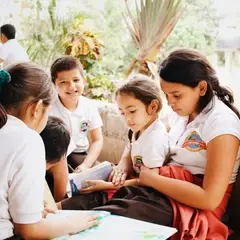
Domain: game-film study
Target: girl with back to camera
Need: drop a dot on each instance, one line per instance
(26, 93)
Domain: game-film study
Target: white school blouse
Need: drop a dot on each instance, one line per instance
(151, 148)
(12, 52)
(189, 141)
(83, 119)
(22, 177)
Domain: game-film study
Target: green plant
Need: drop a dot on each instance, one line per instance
(192, 31)
(118, 50)
(99, 87)
(154, 21)
(44, 31)
(46, 27)
(82, 44)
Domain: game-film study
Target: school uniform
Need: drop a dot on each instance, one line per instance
(151, 148)
(23, 166)
(189, 141)
(12, 52)
(79, 122)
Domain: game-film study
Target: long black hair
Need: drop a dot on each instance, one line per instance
(189, 67)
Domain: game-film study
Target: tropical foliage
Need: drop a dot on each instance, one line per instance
(154, 21)
(44, 31)
(105, 47)
(191, 31)
(82, 44)
(99, 87)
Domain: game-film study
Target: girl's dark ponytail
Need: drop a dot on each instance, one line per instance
(3, 116)
(225, 95)
(4, 80)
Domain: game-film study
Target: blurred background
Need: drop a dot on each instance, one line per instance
(50, 28)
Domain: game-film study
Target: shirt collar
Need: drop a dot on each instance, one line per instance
(63, 109)
(203, 115)
(9, 41)
(16, 120)
(148, 129)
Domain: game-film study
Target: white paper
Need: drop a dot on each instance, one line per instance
(119, 228)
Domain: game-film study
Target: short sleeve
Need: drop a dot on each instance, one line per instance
(95, 118)
(3, 52)
(156, 149)
(221, 125)
(26, 186)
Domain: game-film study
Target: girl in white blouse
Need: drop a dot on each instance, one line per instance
(26, 93)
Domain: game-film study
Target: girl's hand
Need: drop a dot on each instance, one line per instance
(46, 211)
(94, 186)
(146, 174)
(118, 175)
(80, 222)
(122, 170)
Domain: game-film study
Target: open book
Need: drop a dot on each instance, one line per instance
(98, 172)
(117, 228)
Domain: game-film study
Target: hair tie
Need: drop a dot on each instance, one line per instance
(4, 79)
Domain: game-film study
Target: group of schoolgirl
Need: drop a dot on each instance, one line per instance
(72, 136)
(73, 122)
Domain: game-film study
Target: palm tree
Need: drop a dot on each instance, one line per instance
(154, 21)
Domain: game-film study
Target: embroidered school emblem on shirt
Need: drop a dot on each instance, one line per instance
(194, 143)
(84, 126)
(138, 162)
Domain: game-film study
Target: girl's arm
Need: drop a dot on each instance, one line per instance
(60, 177)
(26, 195)
(100, 185)
(221, 156)
(51, 228)
(96, 144)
